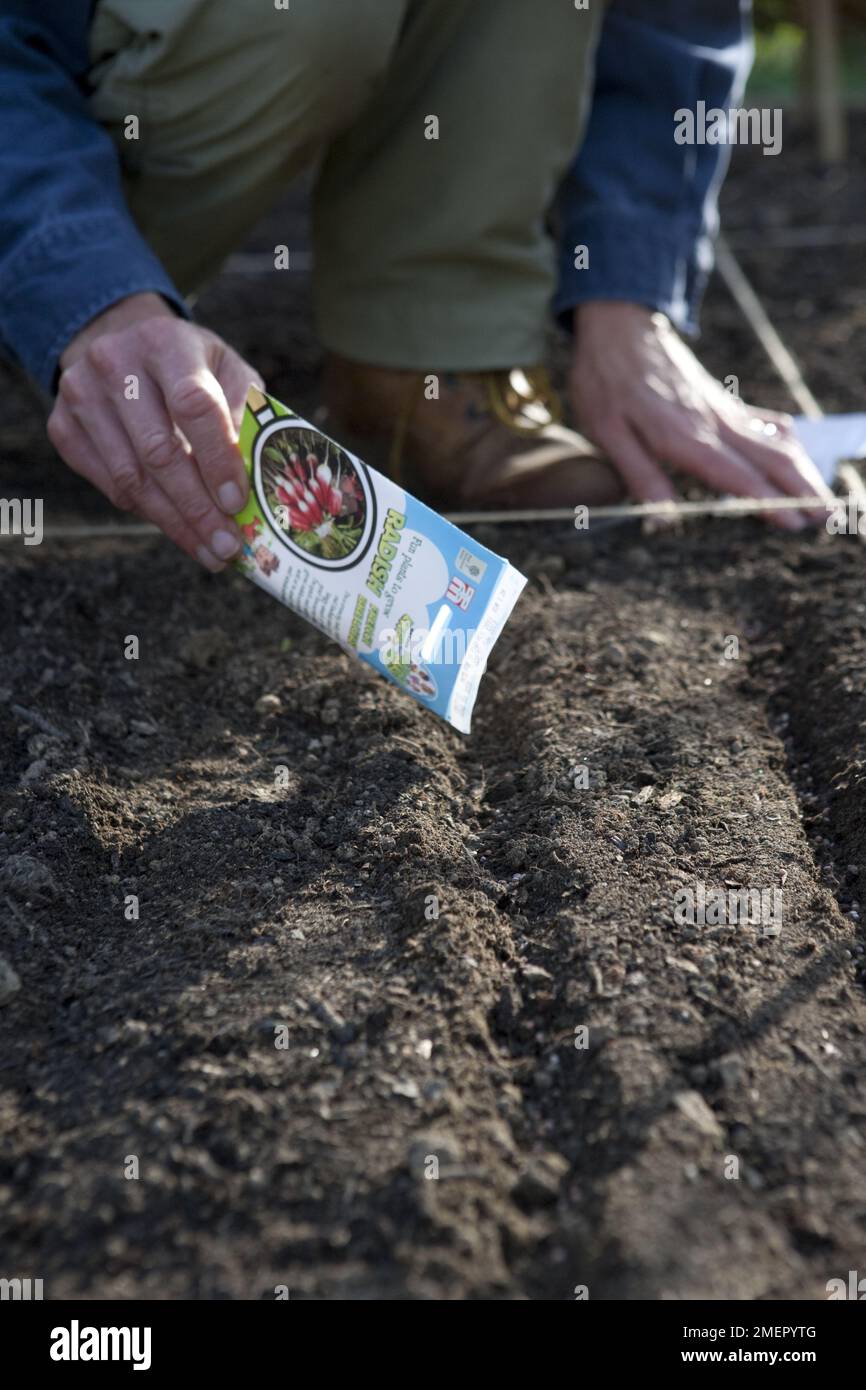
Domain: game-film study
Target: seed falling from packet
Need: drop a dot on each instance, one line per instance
(368, 564)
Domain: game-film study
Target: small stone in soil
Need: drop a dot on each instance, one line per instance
(731, 1070)
(10, 984)
(27, 877)
(540, 1181)
(692, 1105)
(535, 974)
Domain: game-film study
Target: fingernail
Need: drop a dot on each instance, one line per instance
(231, 498)
(209, 561)
(224, 544)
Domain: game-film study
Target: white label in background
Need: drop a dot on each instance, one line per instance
(831, 440)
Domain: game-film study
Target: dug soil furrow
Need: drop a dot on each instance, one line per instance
(710, 1050)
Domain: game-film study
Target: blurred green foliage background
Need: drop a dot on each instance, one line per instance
(781, 49)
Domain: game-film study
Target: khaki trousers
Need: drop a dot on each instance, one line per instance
(439, 130)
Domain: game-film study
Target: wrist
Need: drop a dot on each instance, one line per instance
(123, 314)
(615, 311)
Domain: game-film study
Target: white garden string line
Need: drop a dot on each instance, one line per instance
(94, 531)
(720, 506)
(624, 511)
(782, 360)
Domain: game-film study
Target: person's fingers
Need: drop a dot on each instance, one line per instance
(782, 459)
(781, 419)
(166, 460)
(644, 479)
(110, 456)
(142, 450)
(724, 469)
(768, 439)
(137, 441)
(196, 403)
(77, 449)
(169, 451)
(154, 506)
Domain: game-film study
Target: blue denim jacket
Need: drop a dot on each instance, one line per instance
(642, 204)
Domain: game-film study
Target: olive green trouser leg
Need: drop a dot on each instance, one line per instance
(429, 251)
(432, 252)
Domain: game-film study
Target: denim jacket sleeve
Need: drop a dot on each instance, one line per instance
(68, 245)
(643, 205)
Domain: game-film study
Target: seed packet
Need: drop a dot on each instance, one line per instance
(368, 564)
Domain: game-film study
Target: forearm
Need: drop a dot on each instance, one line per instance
(68, 246)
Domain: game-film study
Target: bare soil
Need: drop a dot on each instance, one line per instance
(709, 1141)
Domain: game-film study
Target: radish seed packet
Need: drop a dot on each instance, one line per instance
(368, 564)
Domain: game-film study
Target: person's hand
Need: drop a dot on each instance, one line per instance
(640, 394)
(148, 409)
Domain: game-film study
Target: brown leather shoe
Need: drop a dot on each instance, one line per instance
(490, 441)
